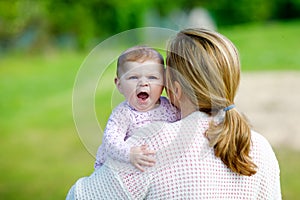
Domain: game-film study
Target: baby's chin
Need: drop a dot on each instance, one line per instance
(144, 106)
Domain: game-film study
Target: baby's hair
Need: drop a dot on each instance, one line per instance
(139, 54)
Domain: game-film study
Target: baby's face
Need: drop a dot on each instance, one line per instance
(141, 84)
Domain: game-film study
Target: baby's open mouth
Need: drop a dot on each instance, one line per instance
(143, 95)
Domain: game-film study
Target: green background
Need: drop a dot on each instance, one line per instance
(41, 154)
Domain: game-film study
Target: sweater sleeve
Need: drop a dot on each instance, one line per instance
(268, 168)
(103, 183)
(71, 195)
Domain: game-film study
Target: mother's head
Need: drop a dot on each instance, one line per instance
(205, 66)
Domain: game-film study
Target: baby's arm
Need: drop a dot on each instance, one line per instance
(114, 135)
(118, 149)
(115, 146)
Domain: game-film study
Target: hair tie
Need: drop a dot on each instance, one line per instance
(229, 107)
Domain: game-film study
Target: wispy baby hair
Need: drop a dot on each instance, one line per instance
(139, 54)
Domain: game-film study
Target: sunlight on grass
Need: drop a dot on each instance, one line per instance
(40, 150)
(289, 163)
(42, 164)
(268, 46)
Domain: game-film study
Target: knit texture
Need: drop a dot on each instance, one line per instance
(186, 168)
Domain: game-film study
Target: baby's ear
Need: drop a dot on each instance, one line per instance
(116, 80)
(118, 84)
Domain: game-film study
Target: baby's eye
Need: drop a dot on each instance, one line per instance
(132, 77)
(153, 77)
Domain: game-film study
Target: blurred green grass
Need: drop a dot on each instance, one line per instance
(267, 46)
(41, 153)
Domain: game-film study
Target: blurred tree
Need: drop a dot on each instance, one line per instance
(227, 12)
(287, 9)
(10, 22)
(70, 20)
(38, 24)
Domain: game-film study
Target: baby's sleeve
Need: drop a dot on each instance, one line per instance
(172, 114)
(115, 134)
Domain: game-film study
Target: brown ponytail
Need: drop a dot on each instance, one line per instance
(209, 64)
(231, 141)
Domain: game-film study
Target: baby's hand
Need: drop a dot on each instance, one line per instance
(141, 156)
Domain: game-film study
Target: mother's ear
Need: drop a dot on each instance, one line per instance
(177, 90)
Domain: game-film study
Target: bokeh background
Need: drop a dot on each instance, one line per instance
(44, 43)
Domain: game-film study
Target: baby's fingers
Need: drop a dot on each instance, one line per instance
(139, 167)
(144, 161)
(149, 152)
(147, 161)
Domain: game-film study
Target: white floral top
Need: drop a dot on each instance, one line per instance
(186, 168)
(121, 123)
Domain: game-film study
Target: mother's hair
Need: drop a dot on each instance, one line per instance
(210, 66)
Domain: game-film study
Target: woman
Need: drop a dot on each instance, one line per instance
(211, 153)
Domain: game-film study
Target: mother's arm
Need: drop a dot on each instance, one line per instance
(104, 183)
(117, 179)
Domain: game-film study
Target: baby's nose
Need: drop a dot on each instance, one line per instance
(143, 82)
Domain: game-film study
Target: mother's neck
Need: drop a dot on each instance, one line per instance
(187, 107)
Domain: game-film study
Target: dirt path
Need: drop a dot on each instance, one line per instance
(271, 101)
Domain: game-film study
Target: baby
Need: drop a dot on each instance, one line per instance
(140, 78)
